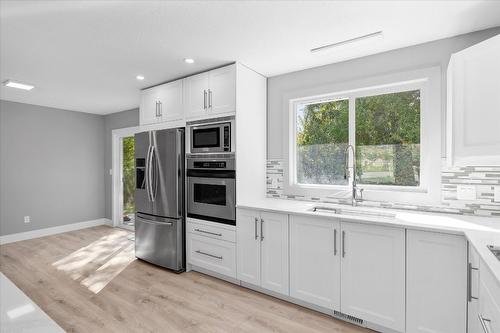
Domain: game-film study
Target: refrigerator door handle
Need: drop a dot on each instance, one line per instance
(150, 174)
(154, 173)
(146, 178)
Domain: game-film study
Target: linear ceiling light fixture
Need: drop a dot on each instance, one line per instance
(347, 41)
(18, 85)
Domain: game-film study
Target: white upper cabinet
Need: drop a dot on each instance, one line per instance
(171, 107)
(196, 95)
(373, 274)
(149, 106)
(222, 90)
(162, 103)
(211, 93)
(436, 284)
(315, 261)
(473, 102)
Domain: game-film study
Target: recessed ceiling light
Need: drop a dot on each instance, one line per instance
(347, 41)
(188, 60)
(18, 85)
(139, 77)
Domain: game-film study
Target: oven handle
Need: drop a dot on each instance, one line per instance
(211, 174)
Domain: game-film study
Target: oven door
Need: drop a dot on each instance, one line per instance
(206, 139)
(212, 199)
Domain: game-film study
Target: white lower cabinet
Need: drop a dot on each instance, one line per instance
(211, 247)
(373, 274)
(315, 261)
(436, 290)
(262, 249)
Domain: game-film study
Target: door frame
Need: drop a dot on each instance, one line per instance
(117, 171)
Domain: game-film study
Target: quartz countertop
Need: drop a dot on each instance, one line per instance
(18, 313)
(480, 231)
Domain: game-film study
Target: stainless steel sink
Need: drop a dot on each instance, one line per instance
(495, 250)
(353, 212)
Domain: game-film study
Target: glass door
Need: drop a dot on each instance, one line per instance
(128, 182)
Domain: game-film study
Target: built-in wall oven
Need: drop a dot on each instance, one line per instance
(212, 187)
(211, 136)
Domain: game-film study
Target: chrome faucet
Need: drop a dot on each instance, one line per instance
(354, 193)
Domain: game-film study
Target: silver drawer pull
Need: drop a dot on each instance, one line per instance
(483, 322)
(208, 232)
(208, 254)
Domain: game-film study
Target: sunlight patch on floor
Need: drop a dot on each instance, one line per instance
(96, 264)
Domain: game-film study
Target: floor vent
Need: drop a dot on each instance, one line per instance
(348, 318)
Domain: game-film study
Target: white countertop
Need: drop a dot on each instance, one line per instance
(480, 231)
(18, 313)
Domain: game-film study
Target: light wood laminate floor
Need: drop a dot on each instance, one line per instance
(89, 281)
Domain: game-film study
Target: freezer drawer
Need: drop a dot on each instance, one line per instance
(160, 241)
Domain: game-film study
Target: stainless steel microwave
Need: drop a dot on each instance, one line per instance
(211, 138)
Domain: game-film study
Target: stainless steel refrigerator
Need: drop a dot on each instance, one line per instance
(159, 198)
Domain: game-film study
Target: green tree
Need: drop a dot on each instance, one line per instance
(387, 131)
(128, 175)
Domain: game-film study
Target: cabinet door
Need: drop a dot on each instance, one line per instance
(196, 95)
(171, 101)
(373, 274)
(222, 95)
(473, 103)
(437, 282)
(248, 246)
(274, 252)
(315, 261)
(148, 111)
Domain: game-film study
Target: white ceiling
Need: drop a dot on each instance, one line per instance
(84, 55)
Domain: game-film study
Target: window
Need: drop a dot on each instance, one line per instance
(322, 134)
(388, 139)
(382, 124)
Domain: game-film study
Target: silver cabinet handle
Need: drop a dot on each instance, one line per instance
(334, 242)
(261, 229)
(156, 108)
(469, 282)
(205, 99)
(208, 254)
(483, 322)
(160, 111)
(255, 224)
(343, 243)
(208, 232)
(209, 98)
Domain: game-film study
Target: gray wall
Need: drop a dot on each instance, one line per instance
(415, 57)
(51, 167)
(113, 121)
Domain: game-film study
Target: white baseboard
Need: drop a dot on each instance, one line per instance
(53, 230)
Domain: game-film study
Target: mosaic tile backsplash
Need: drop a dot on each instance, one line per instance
(484, 180)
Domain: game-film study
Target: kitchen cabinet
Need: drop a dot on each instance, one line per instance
(373, 274)
(211, 246)
(473, 101)
(473, 324)
(436, 285)
(262, 249)
(315, 261)
(211, 93)
(162, 103)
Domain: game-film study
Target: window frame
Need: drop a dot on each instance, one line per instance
(428, 83)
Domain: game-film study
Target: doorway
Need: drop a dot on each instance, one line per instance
(128, 181)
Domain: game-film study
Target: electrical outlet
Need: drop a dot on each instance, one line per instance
(27, 219)
(496, 196)
(466, 192)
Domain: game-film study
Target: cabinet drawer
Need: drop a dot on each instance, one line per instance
(209, 230)
(216, 255)
(489, 311)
